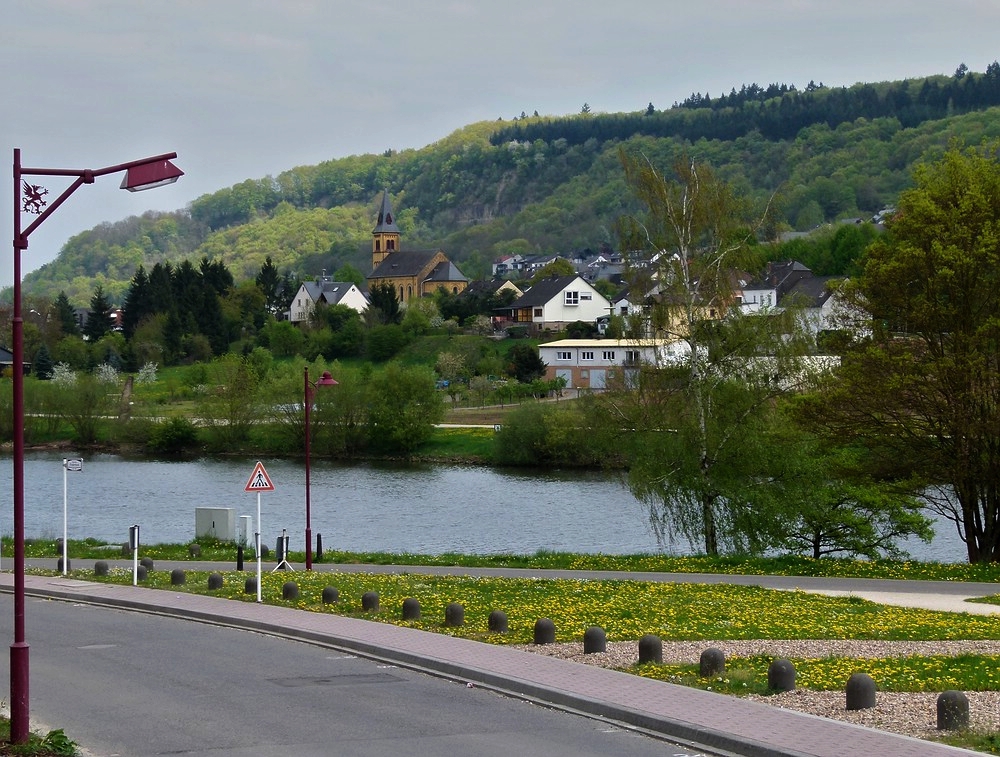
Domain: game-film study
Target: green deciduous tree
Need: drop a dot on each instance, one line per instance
(404, 405)
(229, 410)
(923, 392)
(693, 424)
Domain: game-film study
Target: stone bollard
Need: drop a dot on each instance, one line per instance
(250, 586)
(330, 595)
(147, 562)
(100, 568)
(214, 581)
(239, 557)
(497, 622)
(369, 601)
(781, 675)
(194, 550)
(952, 710)
(411, 609)
(141, 573)
(650, 649)
(711, 663)
(454, 614)
(177, 577)
(265, 552)
(545, 631)
(289, 590)
(595, 640)
(860, 692)
(59, 564)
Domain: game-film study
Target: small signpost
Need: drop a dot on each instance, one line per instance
(74, 464)
(258, 482)
(133, 542)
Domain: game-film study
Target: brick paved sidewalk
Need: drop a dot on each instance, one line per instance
(723, 723)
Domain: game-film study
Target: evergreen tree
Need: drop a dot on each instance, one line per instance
(384, 301)
(136, 306)
(99, 320)
(269, 281)
(66, 316)
(43, 364)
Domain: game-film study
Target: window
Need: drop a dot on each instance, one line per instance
(587, 355)
(586, 296)
(560, 355)
(538, 312)
(632, 357)
(571, 298)
(609, 354)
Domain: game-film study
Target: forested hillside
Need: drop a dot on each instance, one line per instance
(541, 185)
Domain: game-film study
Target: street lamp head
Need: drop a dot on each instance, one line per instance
(150, 175)
(326, 380)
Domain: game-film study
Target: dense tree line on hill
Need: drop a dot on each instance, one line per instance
(778, 111)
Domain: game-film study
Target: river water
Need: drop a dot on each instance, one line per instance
(423, 509)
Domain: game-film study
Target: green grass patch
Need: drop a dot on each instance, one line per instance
(467, 444)
(748, 675)
(626, 610)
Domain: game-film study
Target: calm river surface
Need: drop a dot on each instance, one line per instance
(424, 509)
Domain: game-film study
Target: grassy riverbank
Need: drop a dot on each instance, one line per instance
(790, 565)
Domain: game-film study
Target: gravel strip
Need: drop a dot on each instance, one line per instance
(907, 714)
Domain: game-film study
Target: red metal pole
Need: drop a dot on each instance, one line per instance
(19, 649)
(308, 401)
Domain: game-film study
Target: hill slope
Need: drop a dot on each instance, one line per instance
(549, 185)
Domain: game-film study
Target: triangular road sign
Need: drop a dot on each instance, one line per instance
(259, 480)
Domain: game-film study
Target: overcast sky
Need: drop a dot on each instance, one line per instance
(248, 88)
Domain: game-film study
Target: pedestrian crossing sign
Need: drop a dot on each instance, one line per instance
(259, 480)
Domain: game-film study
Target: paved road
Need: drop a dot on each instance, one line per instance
(137, 684)
(722, 723)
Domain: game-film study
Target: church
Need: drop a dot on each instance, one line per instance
(411, 273)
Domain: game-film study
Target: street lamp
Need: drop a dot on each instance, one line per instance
(30, 198)
(325, 380)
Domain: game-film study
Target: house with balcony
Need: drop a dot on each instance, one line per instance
(557, 301)
(590, 364)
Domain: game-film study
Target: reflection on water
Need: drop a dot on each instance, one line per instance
(426, 509)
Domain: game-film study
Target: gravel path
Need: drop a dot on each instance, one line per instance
(907, 714)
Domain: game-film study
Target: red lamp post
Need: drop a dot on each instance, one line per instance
(30, 198)
(325, 380)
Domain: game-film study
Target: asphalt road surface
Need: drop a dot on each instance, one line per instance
(137, 685)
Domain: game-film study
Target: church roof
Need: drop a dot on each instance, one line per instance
(386, 220)
(403, 263)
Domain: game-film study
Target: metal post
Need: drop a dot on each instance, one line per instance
(19, 649)
(308, 401)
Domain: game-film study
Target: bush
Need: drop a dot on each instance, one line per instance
(173, 436)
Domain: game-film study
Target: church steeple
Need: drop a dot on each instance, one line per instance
(385, 235)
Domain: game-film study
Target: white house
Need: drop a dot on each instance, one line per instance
(589, 363)
(325, 292)
(789, 281)
(557, 301)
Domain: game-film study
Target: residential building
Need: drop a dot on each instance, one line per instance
(322, 291)
(557, 301)
(591, 363)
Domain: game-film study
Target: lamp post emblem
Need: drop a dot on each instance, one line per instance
(32, 200)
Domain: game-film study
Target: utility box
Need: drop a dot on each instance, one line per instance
(215, 522)
(245, 534)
